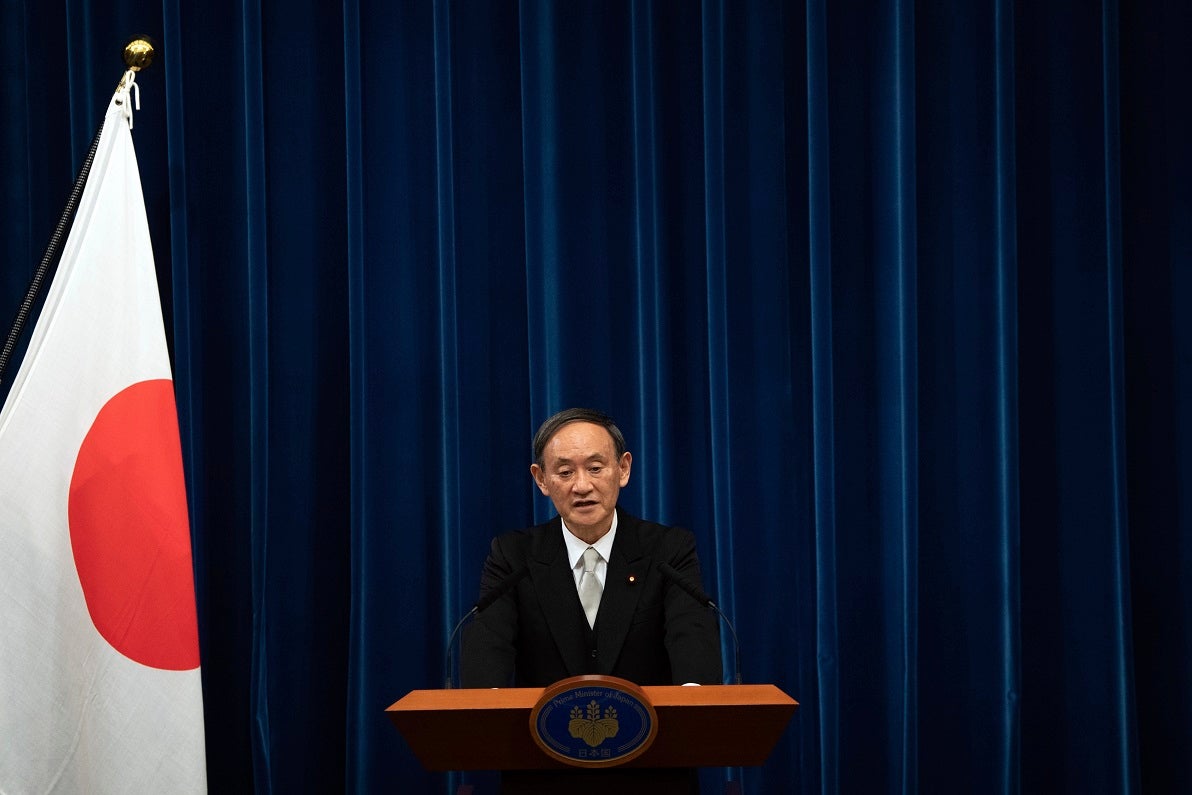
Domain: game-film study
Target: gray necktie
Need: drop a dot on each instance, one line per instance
(589, 586)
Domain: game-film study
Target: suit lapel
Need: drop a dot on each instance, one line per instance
(557, 596)
(619, 600)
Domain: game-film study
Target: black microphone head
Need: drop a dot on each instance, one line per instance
(502, 588)
(672, 574)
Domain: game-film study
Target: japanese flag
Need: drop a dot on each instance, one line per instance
(99, 660)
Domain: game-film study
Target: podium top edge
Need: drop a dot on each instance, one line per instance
(661, 696)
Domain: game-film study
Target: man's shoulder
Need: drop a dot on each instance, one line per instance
(518, 543)
(528, 533)
(648, 536)
(653, 535)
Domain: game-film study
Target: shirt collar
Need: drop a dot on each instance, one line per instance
(576, 546)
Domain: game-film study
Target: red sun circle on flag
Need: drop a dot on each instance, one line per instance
(129, 529)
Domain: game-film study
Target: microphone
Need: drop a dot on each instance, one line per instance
(672, 575)
(503, 587)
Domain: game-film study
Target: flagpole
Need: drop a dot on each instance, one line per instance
(138, 55)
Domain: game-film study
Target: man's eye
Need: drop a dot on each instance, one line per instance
(566, 473)
(596, 470)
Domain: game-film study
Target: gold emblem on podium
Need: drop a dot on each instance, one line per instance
(593, 721)
(593, 729)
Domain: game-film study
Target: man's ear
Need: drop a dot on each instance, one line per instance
(625, 464)
(539, 478)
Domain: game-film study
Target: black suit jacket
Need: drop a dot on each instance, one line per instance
(647, 630)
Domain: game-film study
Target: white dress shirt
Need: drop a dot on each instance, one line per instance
(576, 547)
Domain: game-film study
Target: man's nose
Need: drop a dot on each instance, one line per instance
(582, 482)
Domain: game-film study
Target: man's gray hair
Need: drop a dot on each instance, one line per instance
(568, 416)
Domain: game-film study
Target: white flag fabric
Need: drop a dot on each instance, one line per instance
(99, 661)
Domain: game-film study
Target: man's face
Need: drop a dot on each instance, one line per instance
(582, 476)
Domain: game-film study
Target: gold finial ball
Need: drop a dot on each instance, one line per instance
(138, 53)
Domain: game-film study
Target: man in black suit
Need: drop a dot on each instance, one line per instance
(640, 627)
(645, 630)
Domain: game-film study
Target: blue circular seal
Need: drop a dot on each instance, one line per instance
(593, 721)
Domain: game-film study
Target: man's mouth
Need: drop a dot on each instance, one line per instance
(585, 504)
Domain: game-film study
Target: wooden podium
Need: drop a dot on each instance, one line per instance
(708, 726)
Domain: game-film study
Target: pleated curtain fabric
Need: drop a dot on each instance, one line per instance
(891, 300)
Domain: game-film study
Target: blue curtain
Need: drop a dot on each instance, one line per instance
(893, 301)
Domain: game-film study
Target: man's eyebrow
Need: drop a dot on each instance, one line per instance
(568, 462)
